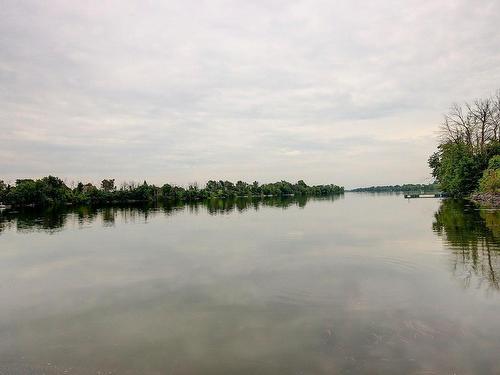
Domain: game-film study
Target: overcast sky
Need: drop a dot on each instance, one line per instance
(345, 92)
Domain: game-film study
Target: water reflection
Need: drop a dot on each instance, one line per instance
(473, 236)
(333, 288)
(56, 218)
(50, 220)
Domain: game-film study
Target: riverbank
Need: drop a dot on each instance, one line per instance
(51, 190)
(486, 199)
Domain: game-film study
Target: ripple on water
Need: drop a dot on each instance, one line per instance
(379, 287)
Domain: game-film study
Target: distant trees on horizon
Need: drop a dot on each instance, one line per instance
(398, 188)
(52, 190)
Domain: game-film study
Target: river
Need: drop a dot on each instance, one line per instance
(353, 284)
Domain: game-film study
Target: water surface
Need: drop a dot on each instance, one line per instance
(357, 284)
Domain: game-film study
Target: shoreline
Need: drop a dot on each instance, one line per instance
(486, 199)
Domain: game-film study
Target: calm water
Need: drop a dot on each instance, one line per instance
(361, 284)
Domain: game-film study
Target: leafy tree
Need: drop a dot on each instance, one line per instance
(470, 137)
(399, 188)
(52, 190)
(458, 170)
(108, 185)
(490, 182)
(3, 190)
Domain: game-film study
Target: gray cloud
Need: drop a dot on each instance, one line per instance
(348, 92)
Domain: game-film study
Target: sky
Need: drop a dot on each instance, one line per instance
(345, 92)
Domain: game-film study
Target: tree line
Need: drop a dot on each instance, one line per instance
(52, 190)
(468, 155)
(398, 188)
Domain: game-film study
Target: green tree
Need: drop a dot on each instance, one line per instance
(490, 182)
(470, 137)
(3, 190)
(108, 185)
(458, 170)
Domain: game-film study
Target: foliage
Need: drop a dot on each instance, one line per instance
(470, 137)
(458, 169)
(52, 190)
(45, 191)
(494, 162)
(398, 188)
(108, 185)
(490, 182)
(3, 190)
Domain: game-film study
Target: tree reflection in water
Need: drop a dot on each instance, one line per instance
(57, 218)
(473, 236)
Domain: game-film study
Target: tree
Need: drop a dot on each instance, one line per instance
(490, 182)
(475, 124)
(495, 116)
(469, 137)
(3, 190)
(52, 190)
(457, 170)
(108, 185)
(435, 162)
(480, 112)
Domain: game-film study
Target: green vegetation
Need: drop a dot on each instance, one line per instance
(398, 188)
(467, 157)
(490, 182)
(52, 190)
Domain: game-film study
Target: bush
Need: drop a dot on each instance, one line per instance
(490, 182)
(457, 169)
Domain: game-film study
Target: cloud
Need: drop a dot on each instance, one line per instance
(185, 91)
